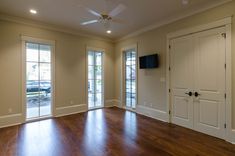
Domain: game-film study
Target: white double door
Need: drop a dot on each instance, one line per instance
(198, 81)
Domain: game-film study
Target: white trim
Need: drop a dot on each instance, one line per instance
(212, 25)
(110, 103)
(171, 20)
(37, 24)
(10, 120)
(68, 110)
(153, 113)
(116, 102)
(226, 22)
(39, 41)
(231, 137)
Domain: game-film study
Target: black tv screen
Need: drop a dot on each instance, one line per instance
(149, 61)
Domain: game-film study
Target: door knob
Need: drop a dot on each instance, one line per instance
(196, 94)
(189, 93)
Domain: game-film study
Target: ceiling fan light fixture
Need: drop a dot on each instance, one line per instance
(108, 31)
(33, 11)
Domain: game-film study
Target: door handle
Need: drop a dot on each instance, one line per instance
(189, 93)
(196, 94)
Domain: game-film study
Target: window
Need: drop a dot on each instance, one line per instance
(38, 80)
(95, 79)
(130, 78)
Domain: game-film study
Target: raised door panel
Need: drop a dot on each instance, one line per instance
(182, 58)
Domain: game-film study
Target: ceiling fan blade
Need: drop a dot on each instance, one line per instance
(120, 21)
(93, 12)
(117, 10)
(89, 22)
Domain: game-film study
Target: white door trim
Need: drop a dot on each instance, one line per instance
(226, 22)
(25, 39)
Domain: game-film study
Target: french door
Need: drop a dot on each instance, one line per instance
(38, 80)
(95, 79)
(130, 78)
(198, 81)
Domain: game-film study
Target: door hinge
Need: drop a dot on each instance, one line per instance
(225, 95)
(224, 35)
(225, 65)
(169, 112)
(169, 90)
(169, 68)
(225, 125)
(169, 46)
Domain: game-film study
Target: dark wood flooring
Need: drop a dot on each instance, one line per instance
(108, 132)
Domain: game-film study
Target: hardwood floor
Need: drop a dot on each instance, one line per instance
(108, 132)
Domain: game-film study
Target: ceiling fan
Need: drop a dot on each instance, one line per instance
(106, 18)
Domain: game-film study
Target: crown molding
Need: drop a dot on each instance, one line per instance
(33, 23)
(171, 20)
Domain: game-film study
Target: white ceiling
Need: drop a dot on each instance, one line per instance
(70, 13)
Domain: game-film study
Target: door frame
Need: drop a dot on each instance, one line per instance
(226, 23)
(103, 75)
(25, 39)
(123, 95)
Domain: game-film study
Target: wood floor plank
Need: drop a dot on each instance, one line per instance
(108, 132)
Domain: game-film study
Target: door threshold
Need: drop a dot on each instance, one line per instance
(39, 118)
(94, 108)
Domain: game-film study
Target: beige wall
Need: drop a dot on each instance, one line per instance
(69, 66)
(150, 89)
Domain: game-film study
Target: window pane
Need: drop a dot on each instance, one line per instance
(90, 58)
(128, 72)
(32, 71)
(98, 100)
(32, 52)
(133, 87)
(32, 95)
(128, 86)
(45, 53)
(128, 99)
(133, 100)
(98, 86)
(91, 100)
(45, 98)
(98, 56)
(91, 72)
(91, 86)
(98, 72)
(45, 71)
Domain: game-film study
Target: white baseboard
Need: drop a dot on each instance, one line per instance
(10, 120)
(117, 103)
(63, 111)
(110, 103)
(153, 113)
(231, 137)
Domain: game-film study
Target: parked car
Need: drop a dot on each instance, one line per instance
(33, 86)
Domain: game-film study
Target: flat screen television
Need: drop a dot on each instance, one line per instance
(149, 61)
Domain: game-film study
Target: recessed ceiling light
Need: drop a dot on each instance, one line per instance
(108, 31)
(32, 11)
(185, 2)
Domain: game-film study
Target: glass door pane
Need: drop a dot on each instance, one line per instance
(130, 78)
(95, 79)
(38, 80)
